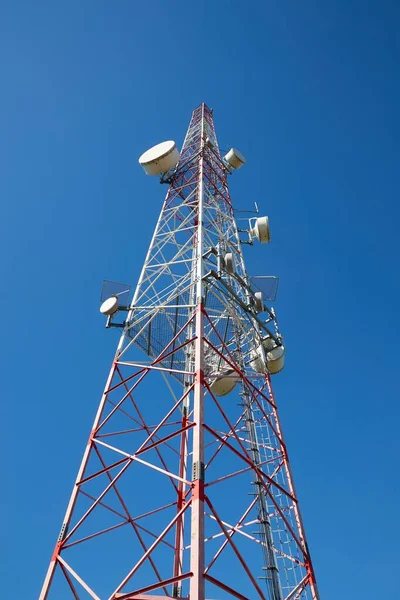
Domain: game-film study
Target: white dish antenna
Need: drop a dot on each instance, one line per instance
(110, 306)
(223, 378)
(221, 386)
(235, 159)
(274, 360)
(160, 158)
(260, 230)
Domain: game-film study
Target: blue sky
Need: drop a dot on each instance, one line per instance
(309, 92)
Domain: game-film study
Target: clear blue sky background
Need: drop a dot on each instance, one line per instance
(309, 91)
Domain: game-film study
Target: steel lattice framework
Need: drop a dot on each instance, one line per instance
(182, 493)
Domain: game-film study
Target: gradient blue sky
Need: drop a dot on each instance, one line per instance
(310, 92)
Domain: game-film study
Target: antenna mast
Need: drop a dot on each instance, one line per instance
(185, 488)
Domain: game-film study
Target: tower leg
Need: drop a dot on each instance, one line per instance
(197, 525)
(70, 508)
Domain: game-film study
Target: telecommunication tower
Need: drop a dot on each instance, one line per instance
(185, 488)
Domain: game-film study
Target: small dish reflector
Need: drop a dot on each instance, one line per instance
(109, 306)
(261, 230)
(221, 386)
(276, 360)
(235, 159)
(160, 158)
(274, 354)
(222, 378)
(274, 357)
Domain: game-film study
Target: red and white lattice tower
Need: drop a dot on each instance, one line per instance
(185, 488)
